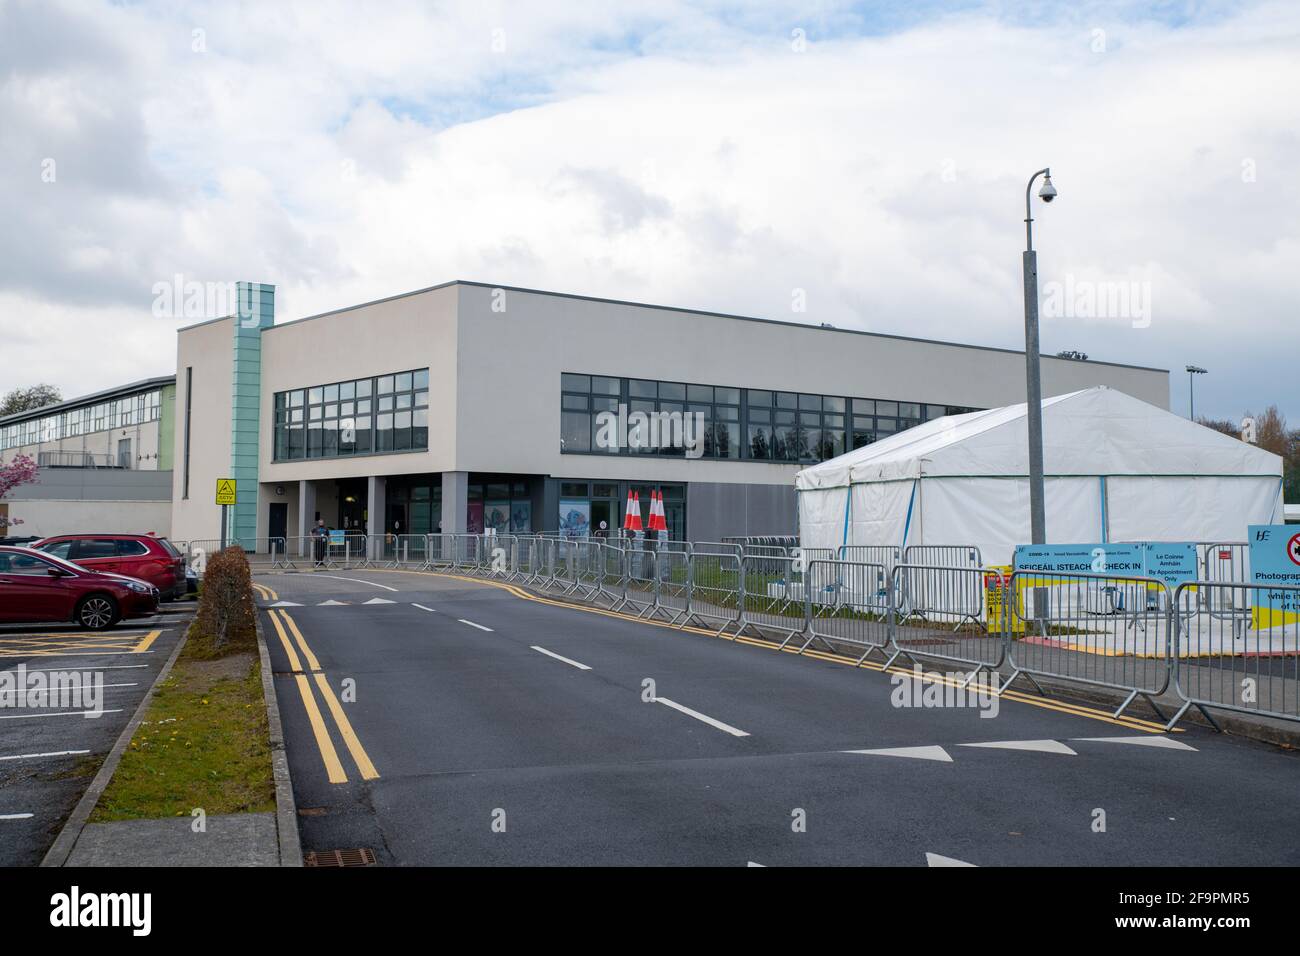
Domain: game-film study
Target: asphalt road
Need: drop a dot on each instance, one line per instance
(49, 749)
(465, 725)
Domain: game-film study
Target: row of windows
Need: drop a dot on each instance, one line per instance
(119, 413)
(733, 423)
(364, 416)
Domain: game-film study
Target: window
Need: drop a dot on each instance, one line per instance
(24, 564)
(60, 549)
(735, 423)
(95, 548)
(387, 413)
(126, 548)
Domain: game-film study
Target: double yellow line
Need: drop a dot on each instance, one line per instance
(329, 755)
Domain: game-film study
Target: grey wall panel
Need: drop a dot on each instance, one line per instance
(716, 510)
(91, 484)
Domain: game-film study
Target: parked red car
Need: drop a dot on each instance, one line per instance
(40, 587)
(143, 556)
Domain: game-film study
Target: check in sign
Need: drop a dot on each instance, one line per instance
(225, 491)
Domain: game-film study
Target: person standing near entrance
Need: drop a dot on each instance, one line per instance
(321, 536)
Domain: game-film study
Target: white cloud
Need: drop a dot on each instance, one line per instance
(678, 157)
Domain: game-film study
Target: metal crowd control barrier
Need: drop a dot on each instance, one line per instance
(406, 551)
(714, 593)
(1224, 563)
(261, 553)
(641, 580)
(1104, 630)
(465, 552)
(499, 555)
(610, 564)
(772, 595)
(947, 591)
(886, 555)
(941, 594)
(850, 602)
(672, 597)
(1218, 665)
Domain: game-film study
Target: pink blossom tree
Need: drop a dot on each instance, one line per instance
(22, 470)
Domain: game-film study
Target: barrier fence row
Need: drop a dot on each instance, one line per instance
(1216, 643)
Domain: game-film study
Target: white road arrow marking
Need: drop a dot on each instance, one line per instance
(1164, 742)
(919, 753)
(1042, 746)
(934, 859)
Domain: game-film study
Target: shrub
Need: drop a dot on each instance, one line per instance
(225, 620)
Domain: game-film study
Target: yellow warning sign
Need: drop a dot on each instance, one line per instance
(225, 491)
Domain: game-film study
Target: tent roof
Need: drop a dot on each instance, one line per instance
(1094, 431)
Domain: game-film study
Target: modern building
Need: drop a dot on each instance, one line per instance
(468, 405)
(105, 459)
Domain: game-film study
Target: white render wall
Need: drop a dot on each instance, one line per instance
(208, 349)
(49, 516)
(495, 384)
(511, 420)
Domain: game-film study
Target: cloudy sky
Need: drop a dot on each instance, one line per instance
(867, 158)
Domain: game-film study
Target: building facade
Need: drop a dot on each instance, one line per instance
(105, 460)
(466, 406)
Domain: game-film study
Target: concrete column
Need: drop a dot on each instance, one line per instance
(455, 501)
(306, 513)
(376, 514)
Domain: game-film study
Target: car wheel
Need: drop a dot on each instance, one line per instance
(97, 612)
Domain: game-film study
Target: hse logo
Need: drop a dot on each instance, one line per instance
(77, 909)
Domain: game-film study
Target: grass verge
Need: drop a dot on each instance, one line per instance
(203, 743)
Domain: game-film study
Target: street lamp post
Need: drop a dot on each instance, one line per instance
(1033, 376)
(1192, 372)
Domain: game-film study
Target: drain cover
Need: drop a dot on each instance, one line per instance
(361, 856)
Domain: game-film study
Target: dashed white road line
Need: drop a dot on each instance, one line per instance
(354, 581)
(52, 753)
(378, 601)
(761, 866)
(62, 713)
(726, 728)
(15, 816)
(423, 608)
(560, 657)
(934, 859)
(472, 624)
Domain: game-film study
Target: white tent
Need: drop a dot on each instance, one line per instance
(1117, 469)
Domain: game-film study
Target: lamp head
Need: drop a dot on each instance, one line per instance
(1048, 192)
